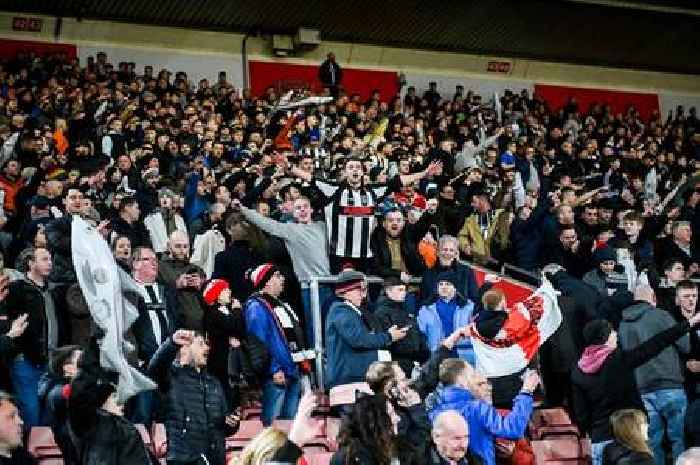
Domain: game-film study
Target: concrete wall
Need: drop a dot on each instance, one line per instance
(204, 53)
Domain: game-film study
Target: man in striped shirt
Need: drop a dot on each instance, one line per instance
(350, 211)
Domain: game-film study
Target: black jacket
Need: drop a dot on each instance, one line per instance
(142, 328)
(195, 408)
(101, 438)
(232, 265)
(466, 281)
(411, 444)
(219, 327)
(412, 348)
(617, 454)
(58, 237)
(325, 75)
(613, 386)
(26, 297)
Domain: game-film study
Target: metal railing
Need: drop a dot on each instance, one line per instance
(317, 317)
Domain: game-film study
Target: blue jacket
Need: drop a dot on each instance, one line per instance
(260, 322)
(351, 346)
(195, 204)
(485, 423)
(430, 325)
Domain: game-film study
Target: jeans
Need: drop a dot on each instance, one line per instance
(324, 293)
(25, 381)
(280, 402)
(666, 409)
(597, 451)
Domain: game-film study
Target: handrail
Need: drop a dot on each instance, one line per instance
(317, 319)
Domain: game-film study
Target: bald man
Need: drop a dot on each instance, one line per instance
(176, 271)
(660, 380)
(450, 441)
(689, 457)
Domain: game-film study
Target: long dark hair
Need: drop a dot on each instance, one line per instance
(368, 428)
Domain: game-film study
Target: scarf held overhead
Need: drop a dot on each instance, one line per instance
(528, 325)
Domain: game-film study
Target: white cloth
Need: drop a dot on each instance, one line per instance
(103, 284)
(155, 224)
(536, 318)
(206, 246)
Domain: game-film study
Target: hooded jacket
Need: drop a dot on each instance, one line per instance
(196, 408)
(485, 423)
(596, 395)
(100, 437)
(412, 348)
(262, 323)
(430, 325)
(639, 323)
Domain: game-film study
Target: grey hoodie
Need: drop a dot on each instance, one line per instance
(640, 322)
(307, 244)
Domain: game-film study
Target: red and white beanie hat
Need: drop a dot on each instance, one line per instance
(213, 289)
(261, 275)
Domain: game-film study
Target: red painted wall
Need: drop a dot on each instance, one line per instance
(9, 48)
(264, 74)
(558, 96)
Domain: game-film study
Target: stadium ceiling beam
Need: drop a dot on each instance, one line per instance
(640, 6)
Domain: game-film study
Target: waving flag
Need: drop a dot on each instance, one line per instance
(528, 325)
(103, 284)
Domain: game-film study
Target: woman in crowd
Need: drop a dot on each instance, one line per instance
(370, 436)
(630, 446)
(121, 248)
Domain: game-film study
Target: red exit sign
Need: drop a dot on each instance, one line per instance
(20, 23)
(499, 67)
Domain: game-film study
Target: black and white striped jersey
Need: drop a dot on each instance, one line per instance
(350, 217)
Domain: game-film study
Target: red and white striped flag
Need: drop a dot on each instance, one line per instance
(528, 325)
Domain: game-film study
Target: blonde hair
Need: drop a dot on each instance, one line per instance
(261, 449)
(627, 429)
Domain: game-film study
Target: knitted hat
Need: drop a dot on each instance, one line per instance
(349, 280)
(261, 275)
(604, 254)
(213, 289)
(447, 276)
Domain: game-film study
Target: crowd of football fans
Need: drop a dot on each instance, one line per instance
(224, 207)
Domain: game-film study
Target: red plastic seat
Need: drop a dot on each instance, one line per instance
(564, 450)
(247, 430)
(552, 422)
(50, 461)
(319, 458)
(42, 445)
(251, 413)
